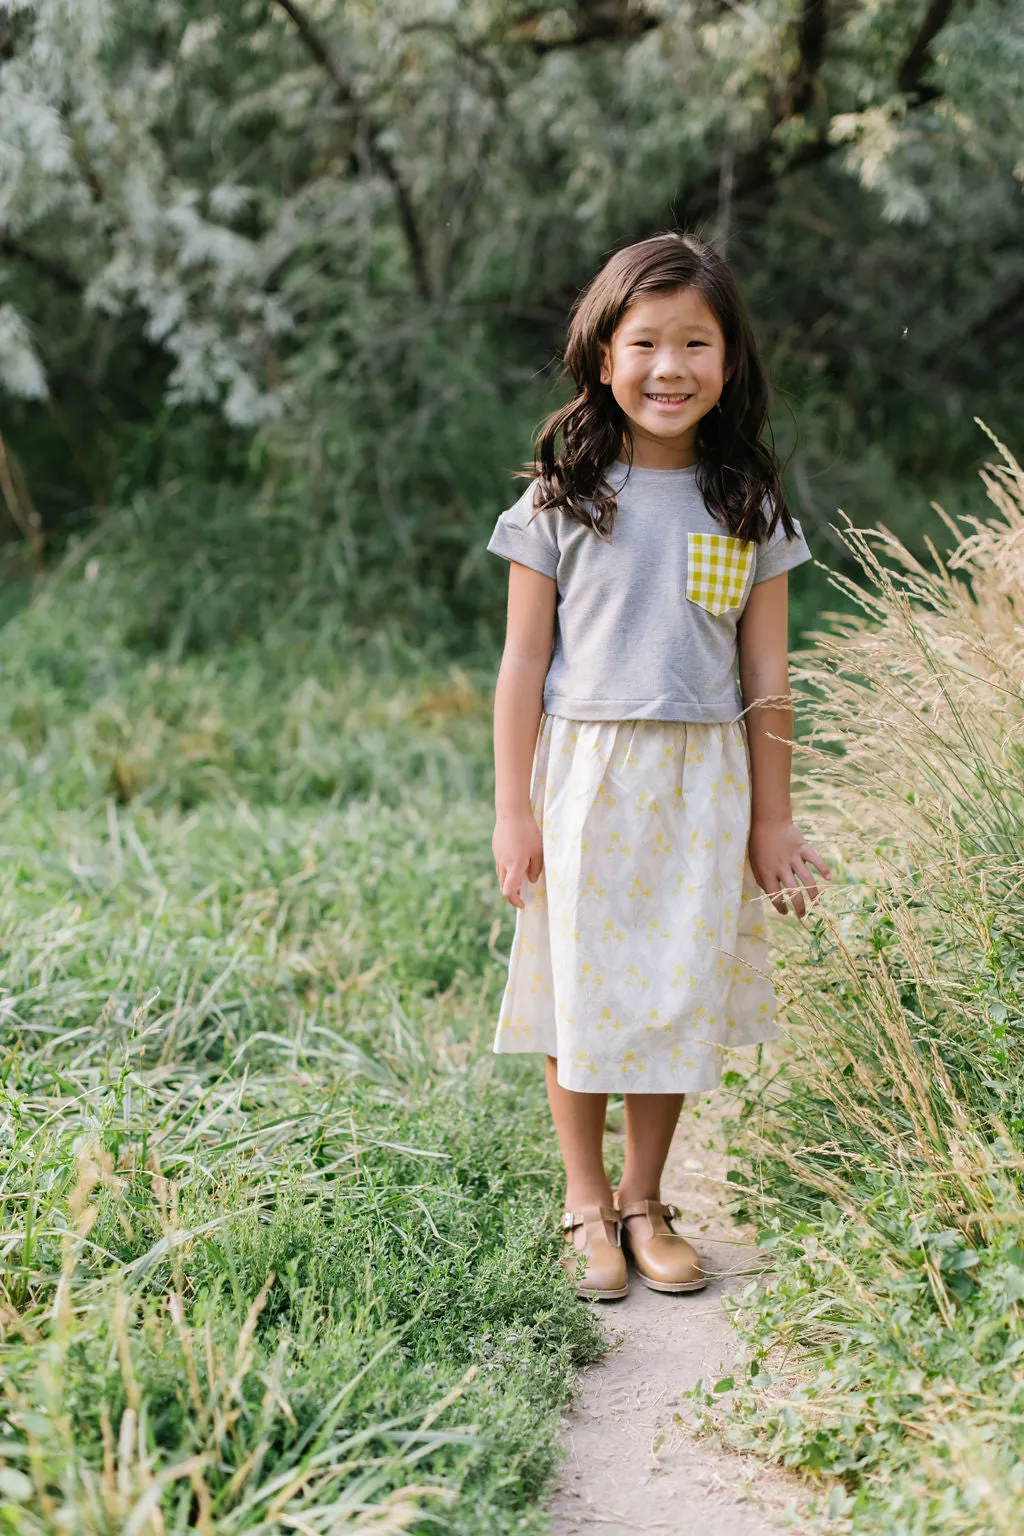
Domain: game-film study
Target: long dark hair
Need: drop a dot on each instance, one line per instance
(738, 473)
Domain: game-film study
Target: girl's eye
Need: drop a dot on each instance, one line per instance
(696, 343)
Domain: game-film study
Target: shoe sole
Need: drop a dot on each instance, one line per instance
(603, 1295)
(671, 1285)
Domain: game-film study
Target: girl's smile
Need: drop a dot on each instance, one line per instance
(666, 367)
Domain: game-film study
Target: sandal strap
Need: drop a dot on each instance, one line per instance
(593, 1213)
(648, 1208)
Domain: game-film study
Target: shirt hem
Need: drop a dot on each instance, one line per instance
(724, 713)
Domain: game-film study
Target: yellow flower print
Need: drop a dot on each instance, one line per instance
(726, 835)
(677, 797)
(642, 799)
(757, 931)
(661, 845)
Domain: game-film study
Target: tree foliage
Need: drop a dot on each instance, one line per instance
(354, 229)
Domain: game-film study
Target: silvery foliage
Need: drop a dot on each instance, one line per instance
(199, 173)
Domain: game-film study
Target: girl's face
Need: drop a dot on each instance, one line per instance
(666, 366)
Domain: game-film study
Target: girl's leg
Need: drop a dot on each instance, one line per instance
(579, 1125)
(650, 1124)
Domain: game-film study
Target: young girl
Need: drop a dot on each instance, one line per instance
(644, 810)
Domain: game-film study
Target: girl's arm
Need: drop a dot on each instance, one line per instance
(779, 852)
(518, 703)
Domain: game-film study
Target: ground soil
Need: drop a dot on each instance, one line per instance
(632, 1462)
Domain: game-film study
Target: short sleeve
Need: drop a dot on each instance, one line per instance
(529, 540)
(779, 554)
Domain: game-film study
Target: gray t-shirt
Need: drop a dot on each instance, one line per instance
(645, 622)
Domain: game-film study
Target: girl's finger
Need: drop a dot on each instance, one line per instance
(806, 880)
(816, 859)
(794, 888)
(773, 890)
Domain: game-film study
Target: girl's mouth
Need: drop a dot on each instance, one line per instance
(669, 399)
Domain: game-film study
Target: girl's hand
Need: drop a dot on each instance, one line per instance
(779, 855)
(518, 850)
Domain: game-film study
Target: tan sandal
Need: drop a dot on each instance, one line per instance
(606, 1277)
(664, 1261)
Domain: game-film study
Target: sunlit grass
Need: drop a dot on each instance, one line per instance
(888, 1349)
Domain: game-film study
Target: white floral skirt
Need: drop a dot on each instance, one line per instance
(641, 954)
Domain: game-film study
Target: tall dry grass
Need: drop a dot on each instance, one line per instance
(887, 1349)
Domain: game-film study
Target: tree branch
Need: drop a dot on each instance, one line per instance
(379, 154)
(600, 21)
(754, 172)
(909, 78)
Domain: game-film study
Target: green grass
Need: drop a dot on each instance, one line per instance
(278, 1238)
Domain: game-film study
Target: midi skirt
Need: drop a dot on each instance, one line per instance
(641, 954)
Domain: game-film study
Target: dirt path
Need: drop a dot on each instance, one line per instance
(631, 1463)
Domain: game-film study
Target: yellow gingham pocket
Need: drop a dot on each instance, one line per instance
(717, 570)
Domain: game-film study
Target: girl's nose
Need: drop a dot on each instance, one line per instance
(668, 368)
